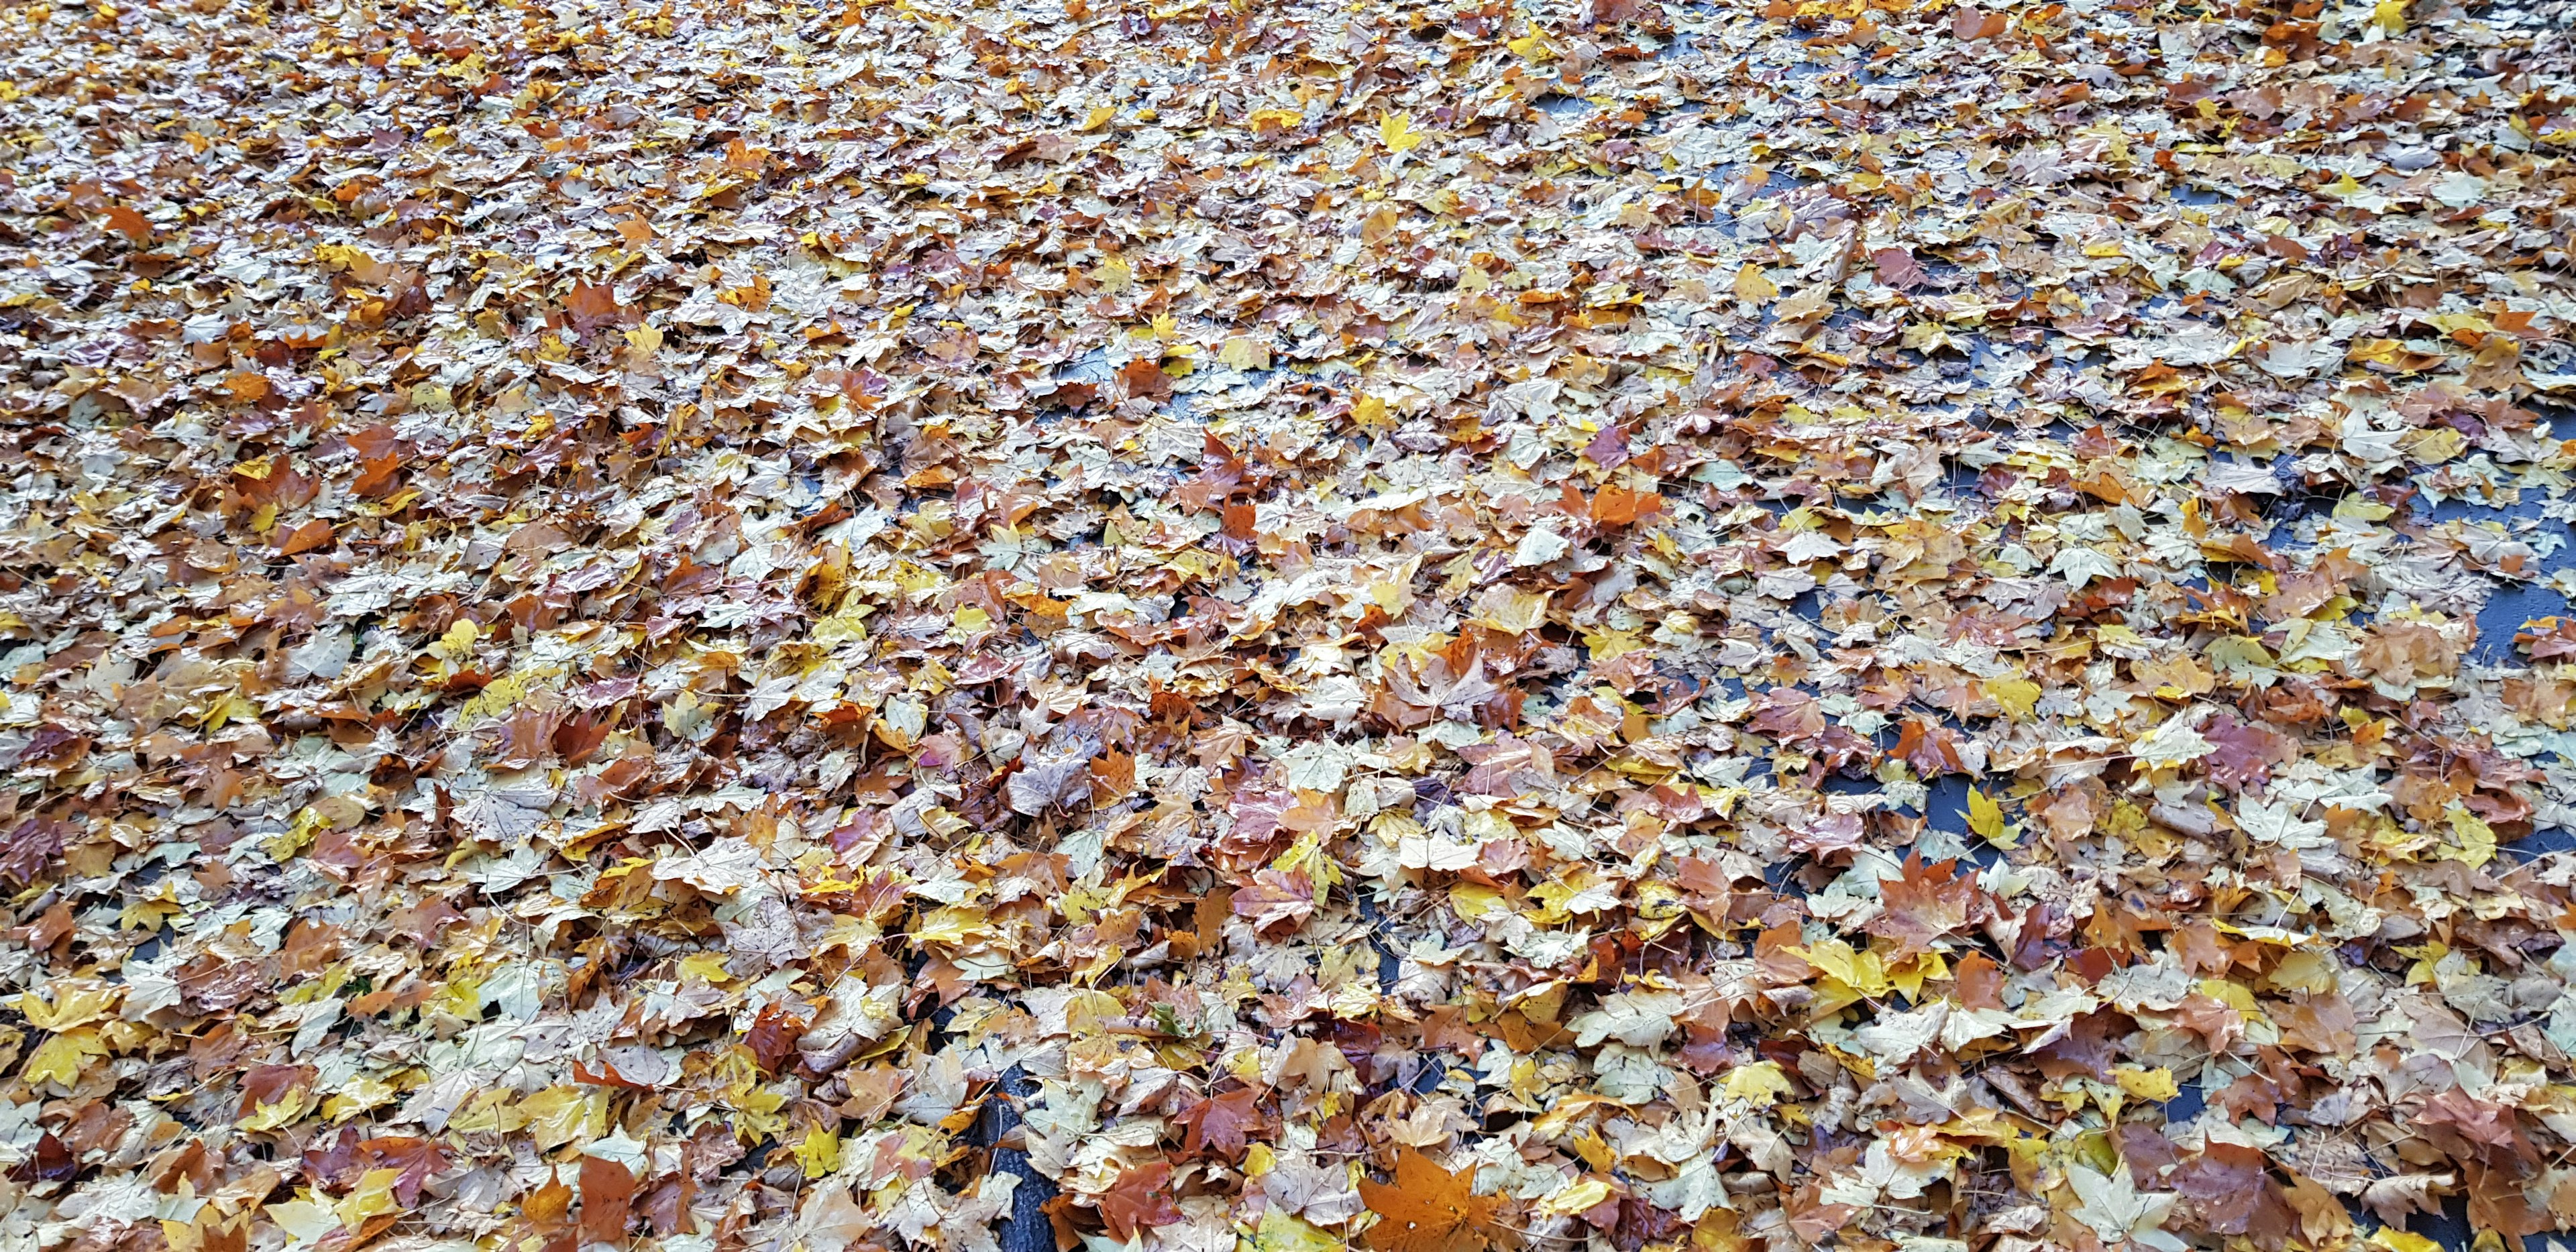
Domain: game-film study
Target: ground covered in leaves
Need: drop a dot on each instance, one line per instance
(1737, 626)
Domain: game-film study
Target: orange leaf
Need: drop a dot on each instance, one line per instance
(305, 538)
(1618, 506)
(1426, 1208)
(127, 222)
(592, 302)
(1923, 904)
(1113, 776)
(246, 386)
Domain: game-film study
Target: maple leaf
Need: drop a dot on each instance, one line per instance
(1276, 901)
(2243, 755)
(125, 221)
(592, 303)
(1049, 776)
(2113, 1206)
(1425, 1208)
(1140, 1198)
(2225, 1180)
(649, 620)
(1922, 905)
(1788, 714)
(607, 1191)
(2398, 1197)
(1897, 268)
(1396, 132)
(1222, 1122)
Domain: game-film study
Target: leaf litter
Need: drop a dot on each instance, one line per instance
(1721, 626)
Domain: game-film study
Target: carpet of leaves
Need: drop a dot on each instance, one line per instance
(1729, 626)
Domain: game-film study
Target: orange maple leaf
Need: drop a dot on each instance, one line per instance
(1926, 903)
(1426, 1208)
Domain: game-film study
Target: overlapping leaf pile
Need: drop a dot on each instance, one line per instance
(617, 618)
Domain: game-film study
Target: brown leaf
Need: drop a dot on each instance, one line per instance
(607, 1190)
(1141, 1198)
(1223, 1122)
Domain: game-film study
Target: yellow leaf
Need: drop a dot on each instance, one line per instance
(1474, 902)
(2146, 1084)
(1985, 817)
(2477, 839)
(77, 1002)
(1099, 117)
(705, 967)
(366, 1091)
(374, 1195)
(490, 1112)
(268, 1116)
(1862, 972)
(2434, 446)
(2390, 16)
(1581, 1197)
(2016, 695)
(1532, 46)
(1281, 1231)
(1762, 1083)
(2230, 993)
(1114, 275)
(1910, 977)
(1611, 644)
(1396, 130)
(1240, 353)
(306, 1217)
(820, 1154)
(644, 340)
(1716, 1232)
(458, 642)
(500, 696)
(1370, 414)
(2394, 1240)
(1511, 609)
(1751, 285)
(953, 925)
(560, 1114)
(60, 1058)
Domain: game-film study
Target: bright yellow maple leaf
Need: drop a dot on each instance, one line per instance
(2016, 694)
(61, 1058)
(820, 1153)
(74, 1002)
(1986, 819)
(1396, 130)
